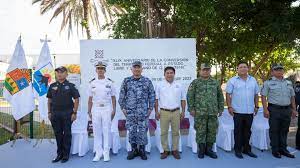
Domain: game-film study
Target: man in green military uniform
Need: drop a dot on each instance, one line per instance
(205, 103)
(278, 99)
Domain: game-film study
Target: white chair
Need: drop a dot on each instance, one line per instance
(225, 135)
(80, 144)
(115, 142)
(192, 137)
(260, 132)
(158, 139)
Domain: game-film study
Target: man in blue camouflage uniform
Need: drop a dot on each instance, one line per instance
(136, 99)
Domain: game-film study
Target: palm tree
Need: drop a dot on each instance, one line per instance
(79, 13)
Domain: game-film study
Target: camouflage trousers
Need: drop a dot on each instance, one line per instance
(206, 128)
(137, 126)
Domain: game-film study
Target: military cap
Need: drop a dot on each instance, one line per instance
(61, 69)
(205, 66)
(137, 63)
(276, 66)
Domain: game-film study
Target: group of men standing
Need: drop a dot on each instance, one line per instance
(205, 101)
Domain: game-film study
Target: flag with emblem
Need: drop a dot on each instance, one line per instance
(17, 86)
(42, 78)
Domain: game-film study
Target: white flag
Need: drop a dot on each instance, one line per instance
(18, 89)
(42, 78)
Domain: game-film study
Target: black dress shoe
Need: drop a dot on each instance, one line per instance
(211, 154)
(64, 160)
(201, 150)
(133, 153)
(142, 152)
(276, 154)
(250, 154)
(287, 154)
(57, 159)
(239, 155)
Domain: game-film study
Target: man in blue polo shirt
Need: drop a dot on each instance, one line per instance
(242, 101)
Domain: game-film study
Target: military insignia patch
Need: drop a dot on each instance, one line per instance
(190, 87)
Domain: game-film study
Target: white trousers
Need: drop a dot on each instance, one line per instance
(101, 118)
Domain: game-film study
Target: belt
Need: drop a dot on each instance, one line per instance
(278, 106)
(61, 107)
(100, 104)
(170, 110)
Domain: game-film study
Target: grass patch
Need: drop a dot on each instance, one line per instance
(4, 136)
(38, 133)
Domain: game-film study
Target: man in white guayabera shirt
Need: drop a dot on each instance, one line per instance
(170, 97)
(242, 101)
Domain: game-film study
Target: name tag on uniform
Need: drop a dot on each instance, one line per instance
(54, 88)
(108, 86)
(177, 86)
(67, 87)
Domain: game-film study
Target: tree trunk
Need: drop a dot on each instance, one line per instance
(263, 60)
(86, 8)
(223, 70)
(200, 46)
(149, 18)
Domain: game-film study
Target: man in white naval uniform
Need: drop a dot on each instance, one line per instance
(101, 109)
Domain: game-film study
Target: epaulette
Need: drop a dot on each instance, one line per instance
(110, 80)
(289, 82)
(92, 80)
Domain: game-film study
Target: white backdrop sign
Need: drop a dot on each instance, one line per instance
(155, 54)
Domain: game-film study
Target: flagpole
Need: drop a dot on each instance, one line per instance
(43, 125)
(17, 123)
(54, 59)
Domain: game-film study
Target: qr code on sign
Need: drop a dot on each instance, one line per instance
(99, 53)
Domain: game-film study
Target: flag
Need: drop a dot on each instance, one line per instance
(17, 85)
(42, 78)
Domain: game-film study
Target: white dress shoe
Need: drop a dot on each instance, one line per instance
(106, 157)
(97, 158)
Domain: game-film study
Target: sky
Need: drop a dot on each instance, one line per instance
(20, 17)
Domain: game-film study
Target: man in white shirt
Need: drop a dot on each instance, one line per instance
(170, 97)
(101, 109)
(242, 101)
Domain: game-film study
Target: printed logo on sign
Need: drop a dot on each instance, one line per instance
(98, 56)
(99, 53)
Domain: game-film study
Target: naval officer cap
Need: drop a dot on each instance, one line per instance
(277, 66)
(100, 64)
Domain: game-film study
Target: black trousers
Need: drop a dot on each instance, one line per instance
(279, 122)
(298, 130)
(61, 124)
(242, 132)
